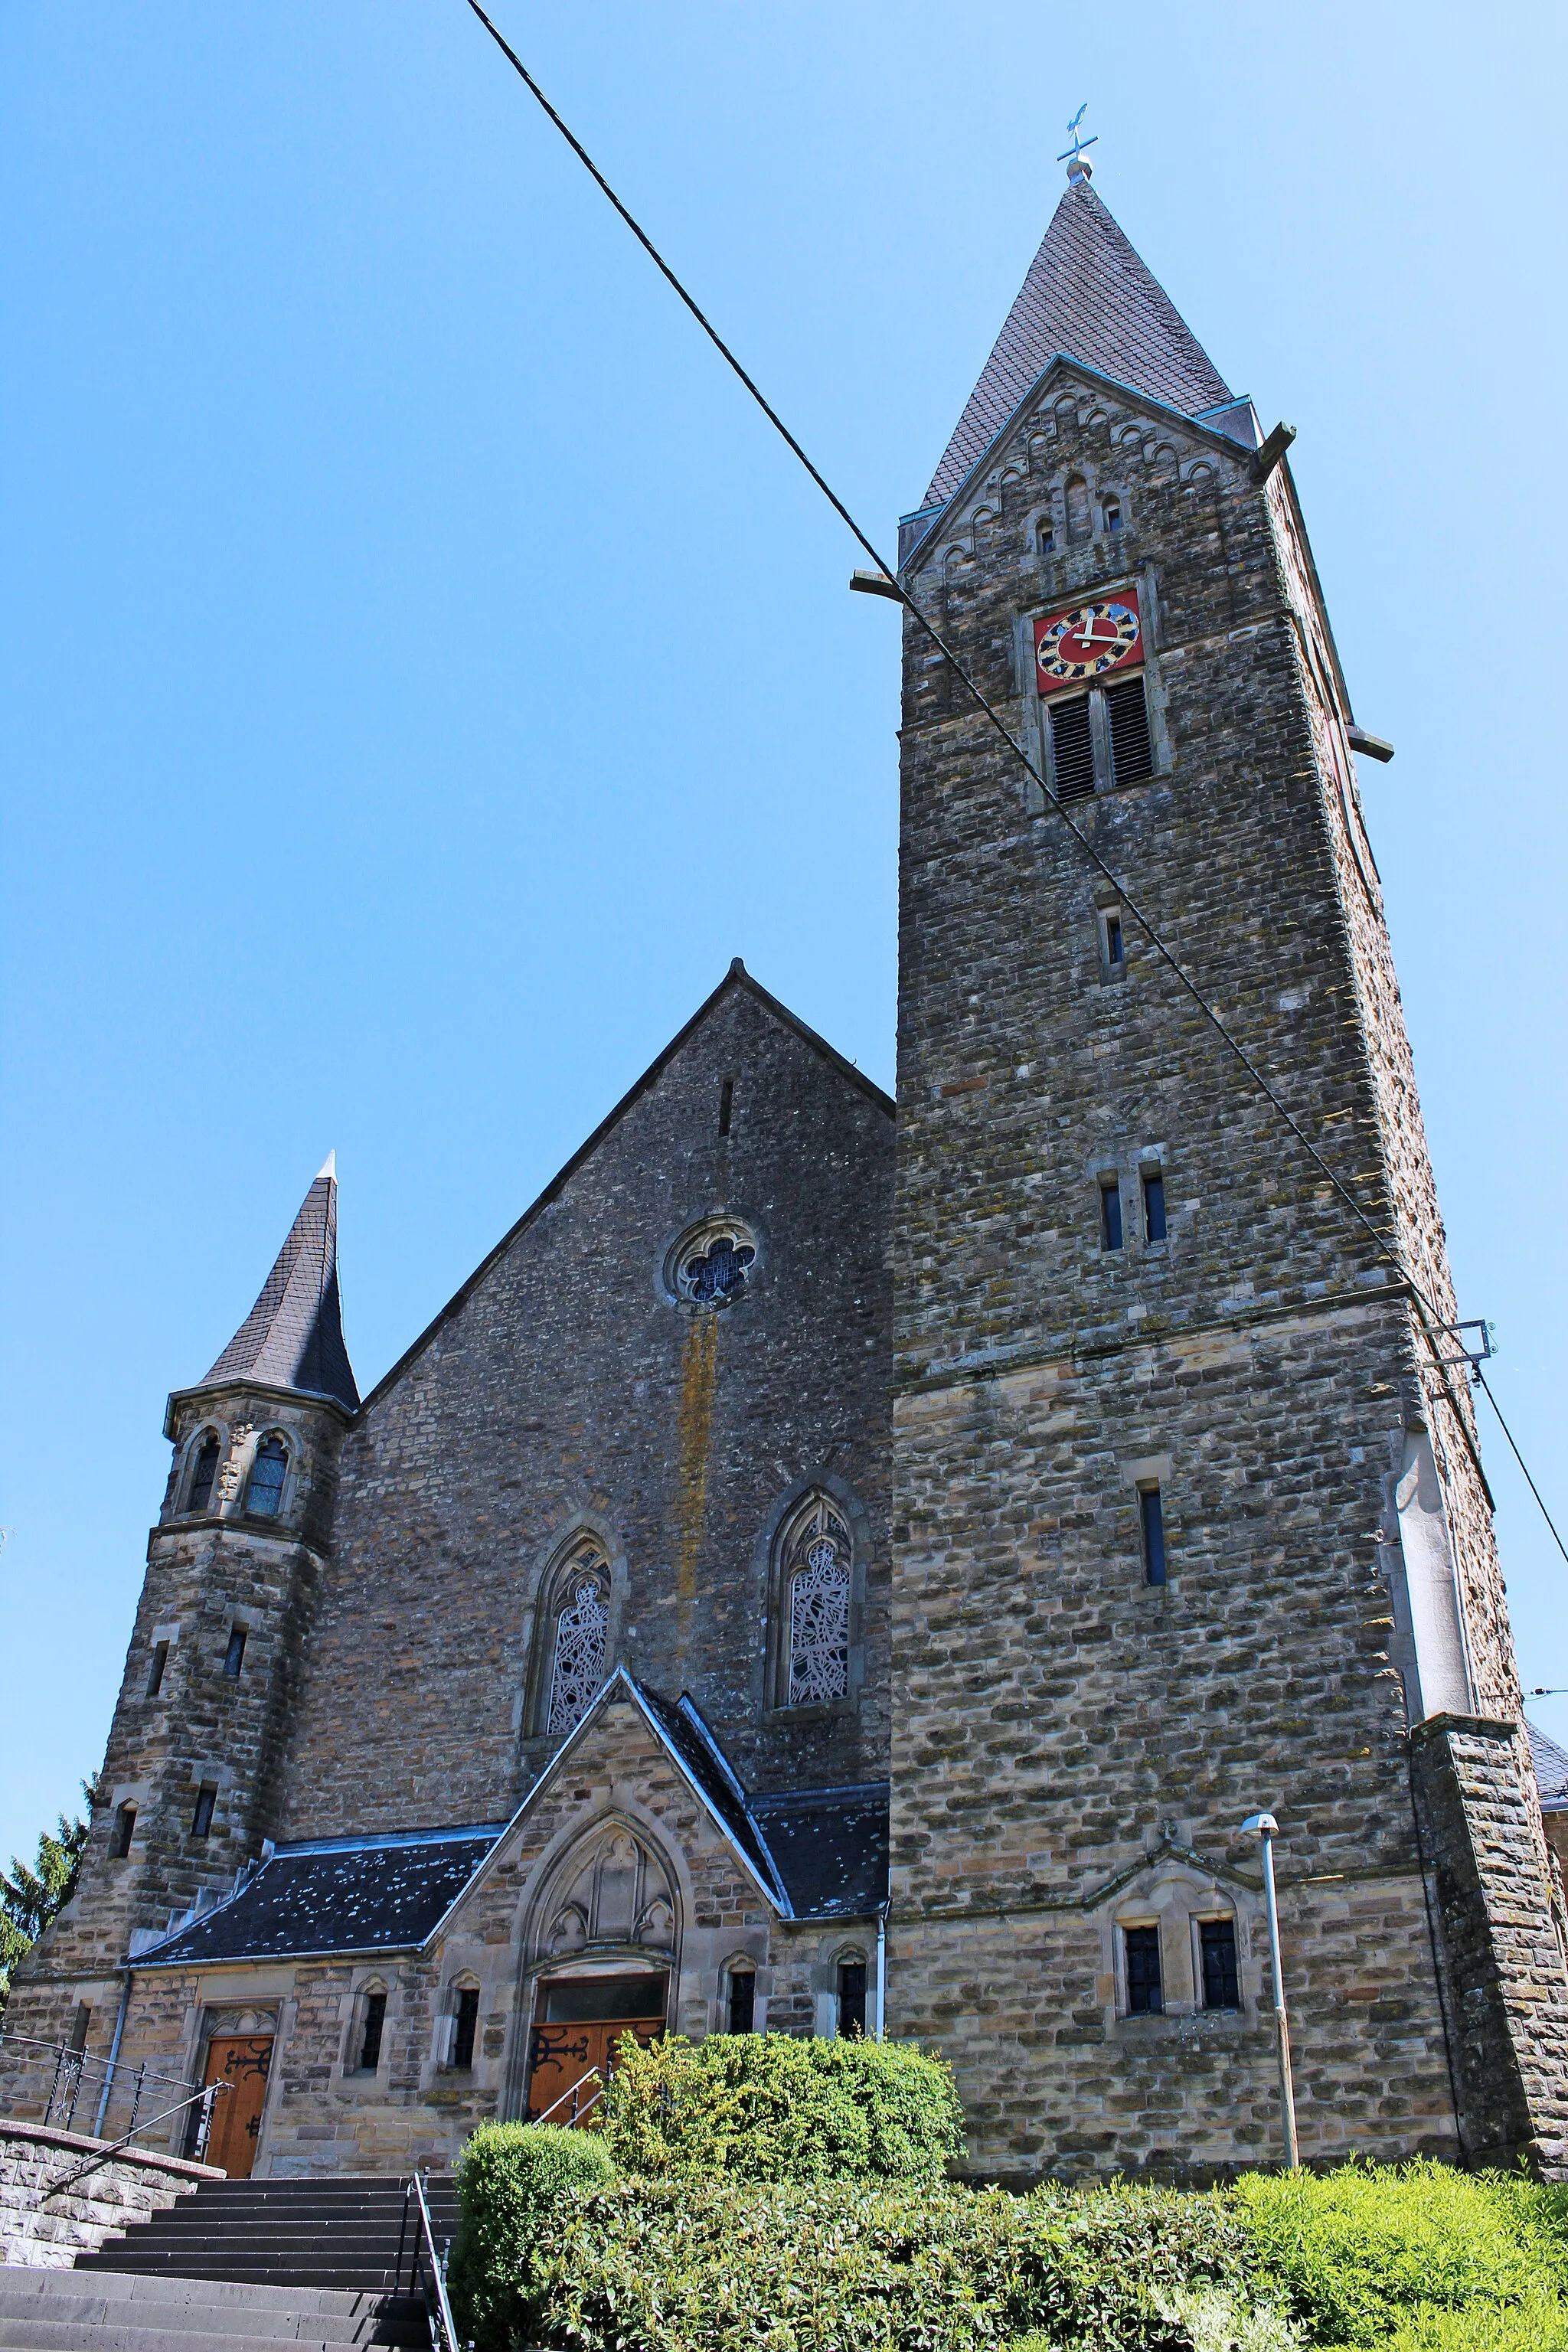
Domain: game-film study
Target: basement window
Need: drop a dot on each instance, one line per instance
(206, 1801)
(124, 1830)
(1151, 1520)
(1145, 1997)
(742, 2002)
(1110, 1213)
(1216, 1950)
(234, 1656)
(851, 1996)
(465, 2025)
(369, 2038)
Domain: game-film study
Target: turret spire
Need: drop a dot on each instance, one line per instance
(1089, 297)
(293, 1335)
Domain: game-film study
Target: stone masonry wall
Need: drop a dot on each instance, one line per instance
(565, 1391)
(48, 2216)
(1257, 1363)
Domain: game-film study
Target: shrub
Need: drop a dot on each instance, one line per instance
(512, 2179)
(680, 2265)
(1368, 2252)
(775, 2107)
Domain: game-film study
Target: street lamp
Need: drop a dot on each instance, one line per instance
(1264, 1827)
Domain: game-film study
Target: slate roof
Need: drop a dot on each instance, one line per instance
(293, 1335)
(831, 1848)
(684, 1730)
(336, 1894)
(1088, 296)
(1551, 1764)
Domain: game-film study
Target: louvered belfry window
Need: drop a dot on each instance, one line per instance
(1131, 754)
(1072, 748)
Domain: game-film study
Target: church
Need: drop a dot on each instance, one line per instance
(841, 1566)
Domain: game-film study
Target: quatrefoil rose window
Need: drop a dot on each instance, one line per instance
(713, 1263)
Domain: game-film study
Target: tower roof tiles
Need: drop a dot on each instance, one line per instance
(1089, 295)
(293, 1335)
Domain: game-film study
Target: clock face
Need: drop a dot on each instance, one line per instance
(1074, 648)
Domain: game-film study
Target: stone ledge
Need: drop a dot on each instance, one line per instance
(13, 2128)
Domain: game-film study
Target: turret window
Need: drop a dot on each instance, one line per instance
(206, 1804)
(203, 1470)
(234, 1656)
(263, 1495)
(156, 1670)
(124, 1830)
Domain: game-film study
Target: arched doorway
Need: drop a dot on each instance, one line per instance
(603, 1954)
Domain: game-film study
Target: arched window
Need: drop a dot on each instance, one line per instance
(263, 1495)
(581, 1638)
(817, 1559)
(203, 1470)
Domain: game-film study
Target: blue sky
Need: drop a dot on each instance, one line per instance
(423, 671)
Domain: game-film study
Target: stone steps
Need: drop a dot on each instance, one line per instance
(59, 2310)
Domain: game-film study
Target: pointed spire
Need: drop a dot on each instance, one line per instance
(1088, 296)
(293, 1335)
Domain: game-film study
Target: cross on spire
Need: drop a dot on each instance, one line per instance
(1073, 156)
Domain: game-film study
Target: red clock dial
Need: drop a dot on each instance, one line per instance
(1074, 648)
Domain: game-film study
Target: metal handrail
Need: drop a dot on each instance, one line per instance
(592, 2075)
(101, 2156)
(73, 2068)
(443, 2330)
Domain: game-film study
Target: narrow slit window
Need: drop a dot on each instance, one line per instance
(204, 1471)
(851, 1996)
(742, 2000)
(1110, 1215)
(1115, 947)
(1145, 1997)
(234, 1656)
(726, 1105)
(1127, 710)
(1216, 1943)
(264, 1497)
(1046, 539)
(1113, 515)
(1072, 748)
(156, 1670)
(465, 2025)
(1151, 1512)
(206, 1801)
(124, 1830)
(370, 2040)
(1154, 1205)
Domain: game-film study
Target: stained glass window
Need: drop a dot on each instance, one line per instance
(817, 1566)
(581, 1632)
(711, 1275)
(203, 1474)
(264, 1497)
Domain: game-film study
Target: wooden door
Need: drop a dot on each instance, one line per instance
(578, 2021)
(242, 2061)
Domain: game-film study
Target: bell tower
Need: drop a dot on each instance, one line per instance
(1190, 1514)
(189, 1791)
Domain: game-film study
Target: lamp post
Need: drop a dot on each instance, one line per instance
(1264, 1827)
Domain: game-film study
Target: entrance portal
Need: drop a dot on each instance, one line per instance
(577, 2021)
(243, 2060)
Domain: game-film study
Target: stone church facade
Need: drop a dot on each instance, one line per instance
(832, 1567)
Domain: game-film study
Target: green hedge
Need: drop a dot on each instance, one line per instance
(512, 2179)
(776, 2107)
(1413, 2255)
(678, 2265)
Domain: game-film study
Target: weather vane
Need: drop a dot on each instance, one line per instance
(1073, 156)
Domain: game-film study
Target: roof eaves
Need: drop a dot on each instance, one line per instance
(1147, 400)
(736, 977)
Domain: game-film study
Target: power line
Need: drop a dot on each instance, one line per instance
(1385, 1248)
